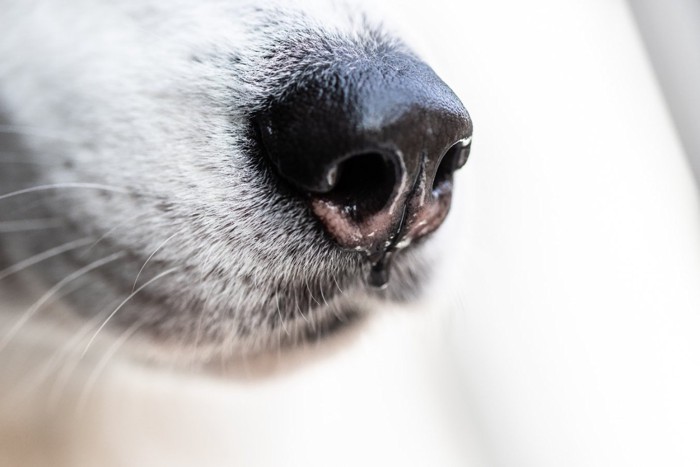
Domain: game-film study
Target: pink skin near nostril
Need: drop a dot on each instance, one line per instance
(423, 209)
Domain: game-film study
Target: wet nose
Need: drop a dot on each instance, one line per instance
(374, 144)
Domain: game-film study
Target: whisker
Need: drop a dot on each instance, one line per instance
(51, 292)
(151, 256)
(29, 225)
(279, 315)
(297, 307)
(308, 316)
(124, 302)
(93, 186)
(311, 294)
(102, 364)
(342, 292)
(52, 364)
(200, 319)
(323, 297)
(66, 247)
(112, 230)
(71, 361)
(28, 206)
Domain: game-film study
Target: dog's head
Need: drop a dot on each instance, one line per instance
(229, 175)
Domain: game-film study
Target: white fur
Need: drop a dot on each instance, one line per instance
(151, 101)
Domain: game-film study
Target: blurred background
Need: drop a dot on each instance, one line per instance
(578, 331)
(671, 34)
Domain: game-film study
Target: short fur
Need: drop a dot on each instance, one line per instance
(133, 120)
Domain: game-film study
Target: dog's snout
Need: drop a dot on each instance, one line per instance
(373, 143)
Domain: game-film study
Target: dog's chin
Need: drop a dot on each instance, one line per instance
(312, 337)
(285, 330)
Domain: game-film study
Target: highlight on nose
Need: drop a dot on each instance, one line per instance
(373, 143)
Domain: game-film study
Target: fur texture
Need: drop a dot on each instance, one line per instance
(129, 122)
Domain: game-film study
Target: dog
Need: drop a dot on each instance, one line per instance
(214, 181)
(257, 174)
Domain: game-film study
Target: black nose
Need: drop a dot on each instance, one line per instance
(373, 142)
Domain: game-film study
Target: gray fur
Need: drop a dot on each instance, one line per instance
(152, 98)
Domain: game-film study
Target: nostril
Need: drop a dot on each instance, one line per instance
(364, 185)
(454, 158)
(363, 141)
